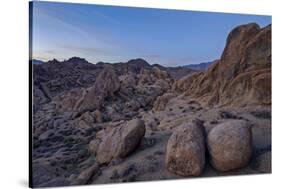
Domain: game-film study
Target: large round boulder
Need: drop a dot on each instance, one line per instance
(185, 153)
(230, 145)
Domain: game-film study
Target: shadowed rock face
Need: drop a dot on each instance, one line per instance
(241, 77)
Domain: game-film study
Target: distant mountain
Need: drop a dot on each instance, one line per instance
(139, 64)
(35, 61)
(176, 72)
(202, 66)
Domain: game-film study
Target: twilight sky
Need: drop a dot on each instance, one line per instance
(118, 34)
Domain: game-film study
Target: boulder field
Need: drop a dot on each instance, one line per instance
(132, 121)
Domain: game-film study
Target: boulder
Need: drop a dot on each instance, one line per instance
(119, 141)
(185, 153)
(230, 145)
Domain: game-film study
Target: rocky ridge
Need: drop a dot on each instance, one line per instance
(244, 67)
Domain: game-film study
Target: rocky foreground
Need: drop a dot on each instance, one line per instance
(123, 122)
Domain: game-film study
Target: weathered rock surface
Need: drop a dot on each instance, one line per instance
(241, 77)
(161, 101)
(119, 141)
(230, 145)
(106, 85)
(185, 153)
(93, 146)
(86, 175)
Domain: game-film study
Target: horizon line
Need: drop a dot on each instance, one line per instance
(67, 59)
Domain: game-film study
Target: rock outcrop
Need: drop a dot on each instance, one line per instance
(119, 141)
(230, 145)
(105, 86)
(241, 77)
(185, 153)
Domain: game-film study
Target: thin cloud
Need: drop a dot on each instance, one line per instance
(86, 50)
(50, 52)
(65, 17)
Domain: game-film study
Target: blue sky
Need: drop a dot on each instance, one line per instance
(118, 34)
